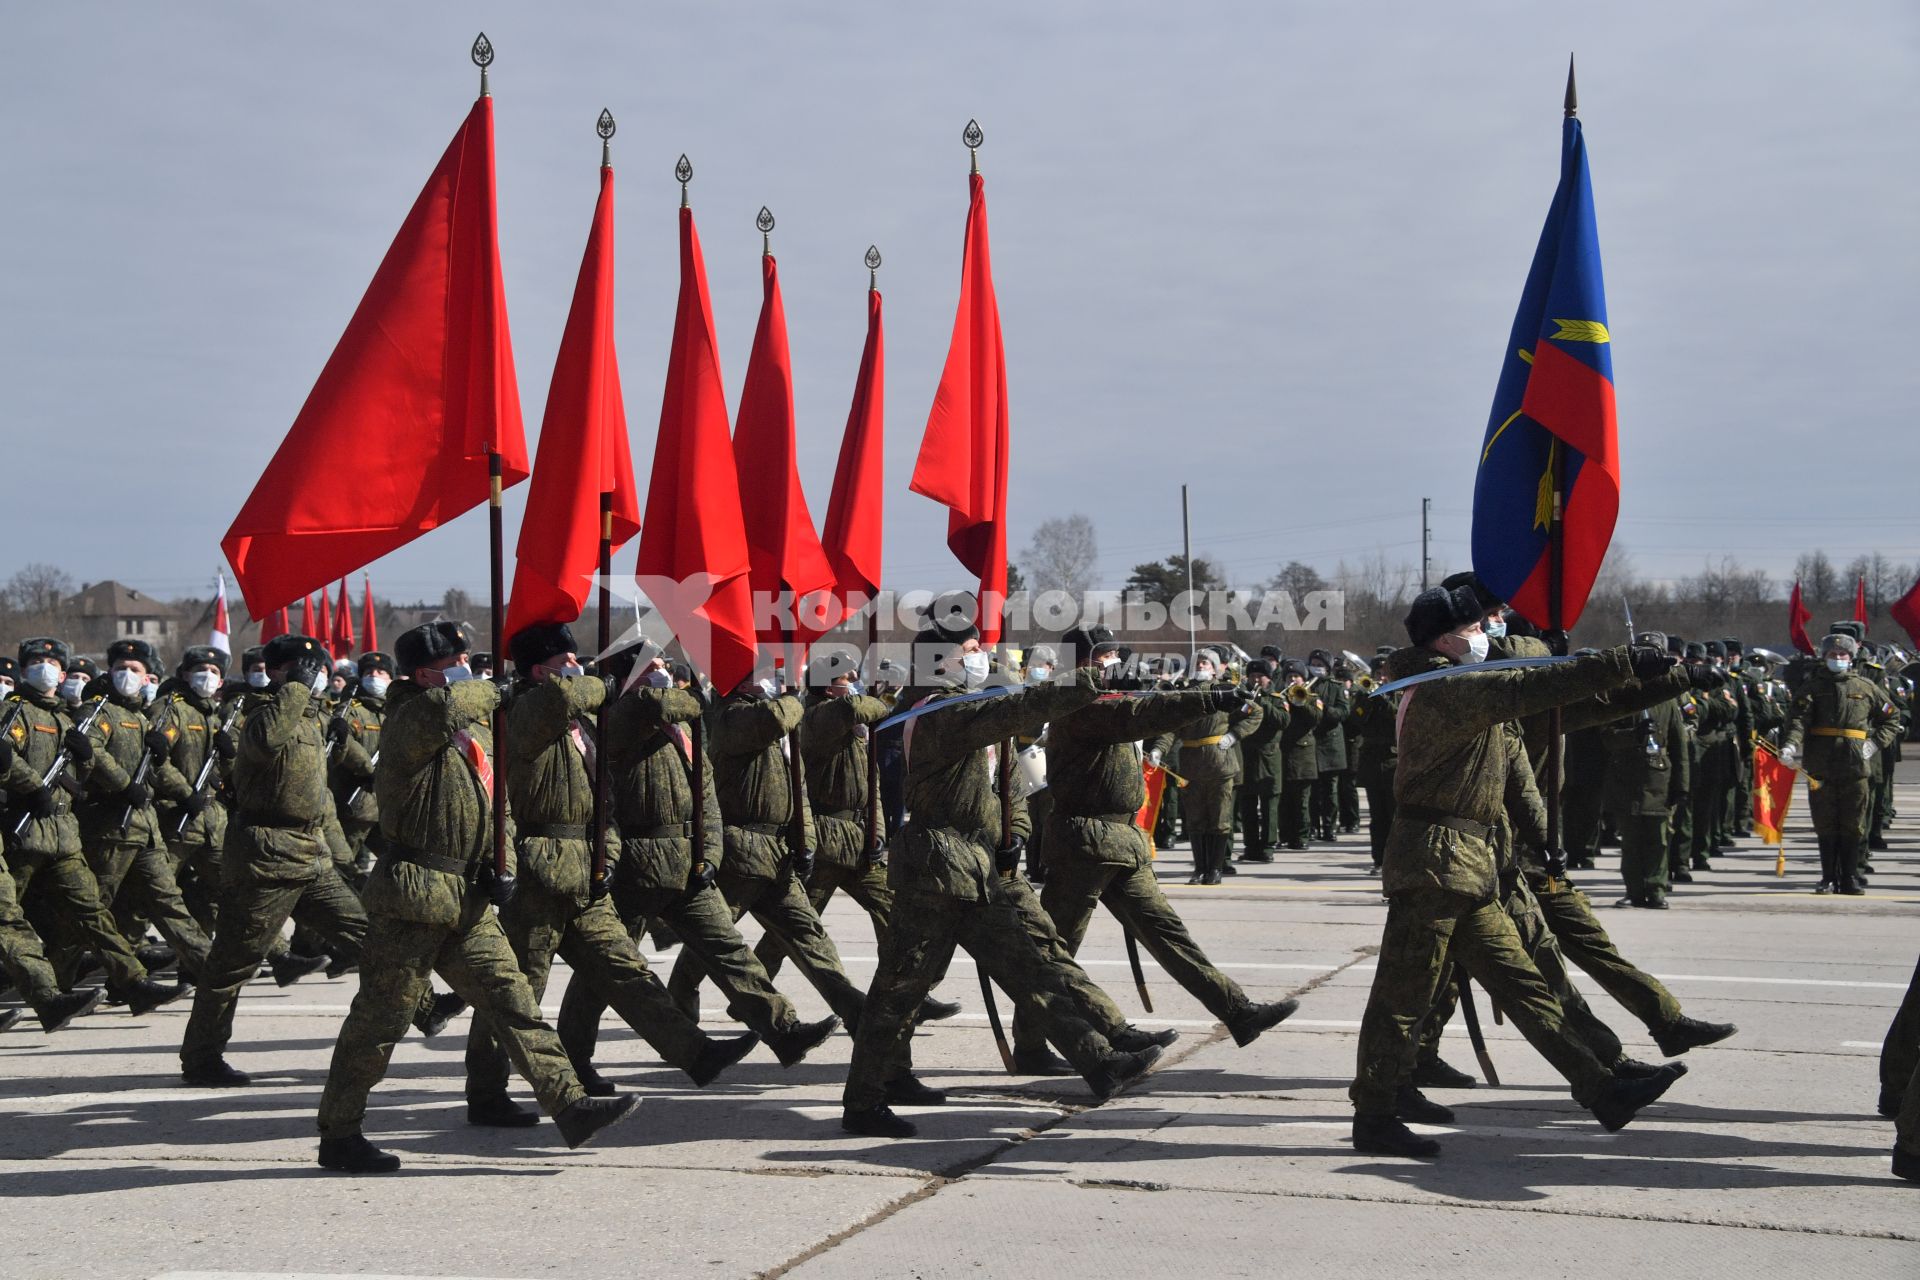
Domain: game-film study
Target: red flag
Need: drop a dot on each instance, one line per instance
(783, 550)
(222, 627)
(1860, 602)
(1906, 611)
(342, 636)
(325, 634)
(583, 450)
(963, 456)
(369, 634)
(275, 624)
(307, 613)
(1772, 793)
(417, 392)
(851, 537)
(1798, 616)
(693, 547)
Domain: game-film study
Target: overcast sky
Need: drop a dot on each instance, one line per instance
(1270, 250)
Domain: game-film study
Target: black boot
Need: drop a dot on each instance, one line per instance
(1132, 1039)
(596, 1085)
(1437, 1074)
(1387, 1136)
(719, 1053)
(290, 968)
(1622, 1099)
(1906, 1164)
(908, 1091)
(876, 1122)
(498, 1111)
(154, 956)
(356, 1155)
(442, 1011)
(589, 1116)
(1685, 1033)
(56, 1013)
(932, 1010)
(1634, 1069)
(341, 966)
(1409, 1104)
(802, 1040)
(1889, 1104)
(1041, 1062)
(1119, 1071)
(218, 1074)
(1255, 1018)
(1223, 855)
(147, 995)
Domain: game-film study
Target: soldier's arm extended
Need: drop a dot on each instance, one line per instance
(539, 715)
(830, 722)
(1470, 704)
(973, 725)
(424, 727)
(746, 729)
(273, 723)
(1630, 699)
(1243, 722)
(1111, 720)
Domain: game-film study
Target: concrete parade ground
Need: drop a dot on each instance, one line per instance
(1766, 1159)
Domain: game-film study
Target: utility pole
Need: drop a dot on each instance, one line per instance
(1186, 542)
(1426, 533)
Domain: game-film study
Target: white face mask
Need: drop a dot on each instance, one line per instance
(1040, 674)
(128, 683)
(1316, 671)
(1494, 629)
(43, 677)
(1203, 673)
(457, 672)
(1839, 666)
(974, 668)
(150, 692)
(258, 679)
(320, 682)
(6, 688)
(769, 686)
(70, 687)
(1477, 646)
(572, 669)
(204, 683)
(659, 680)
(374, 685)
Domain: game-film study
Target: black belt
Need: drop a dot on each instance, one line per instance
(1436, 818)
(669, 831)
(468, 871)
(844, 815)
(550, 831)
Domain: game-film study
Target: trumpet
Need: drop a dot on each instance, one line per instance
(1298, 694)
(1366, 684)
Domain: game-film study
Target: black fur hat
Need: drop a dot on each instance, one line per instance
(139, 651)
(425, 645)
(1083, 642)
(1471, 581)
(45, 649)
(533, 645)
(1438, 610)
(374, 660)
(199, 655)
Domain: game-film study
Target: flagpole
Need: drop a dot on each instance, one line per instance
(1556, 580)
(496, 556)
(604, 126)
(875, 815)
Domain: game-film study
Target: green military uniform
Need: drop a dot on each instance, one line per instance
(1330, 752)
(1299, 764)
(550, 732)
(1839, 721)
(350, 768)
(132, 866)
(1680, 822)
(1740, 803)
(427, 911)
(1713, 779)
(1457, 762)
(195, 827)
(657, 875)
(1210, 762)
(748, 740)
(1376, 753)
(833, 738)
(1648, 772)
(1260, 766)
(276, 862)
(1583, 792)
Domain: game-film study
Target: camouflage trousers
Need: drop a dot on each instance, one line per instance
(596, 946)
(1427, 931)
(397, 961)
(916, 955)
(21, 954)
(865, 885)
(1078, 886)
(782, 908)
(62, 899)
(706, 929)
(137, 881)
(251, 912)
(1584, 942)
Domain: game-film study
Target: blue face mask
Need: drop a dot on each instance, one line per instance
(1839, 666)
(1494, 628)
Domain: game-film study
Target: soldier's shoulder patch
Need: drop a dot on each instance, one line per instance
(173, 733)
(18, 733)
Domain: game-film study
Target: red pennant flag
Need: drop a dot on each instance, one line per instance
(222, 627)
(342, 636)
(583, 450)
(1772, 793)
(275, 624)
(963, 456)
(1798, 616)
(1906, 611)
(369, 634)
(307, 615)
(1860, 602)
(419, 389)
(851, 537)
(693, 558)
(325, 634)
(783, 550)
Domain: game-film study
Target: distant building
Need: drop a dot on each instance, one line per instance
(109, 611)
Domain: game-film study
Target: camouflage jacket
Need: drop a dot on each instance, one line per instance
(1833, 718)
(833, 746)
(350, 772)
(194, 723)
(550, 730)
(280, 771)
(747, 738)
(122, 730)
(649, 742)
(38, 734)
(1202, 758)
(1093, 773)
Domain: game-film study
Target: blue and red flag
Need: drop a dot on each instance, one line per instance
(1553, 417)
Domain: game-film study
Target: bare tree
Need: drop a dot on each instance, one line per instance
(1062, 556)
(1819, 581)
(37, 589)
(1296, 579)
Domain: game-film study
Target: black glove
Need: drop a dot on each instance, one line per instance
(159, 746)
(702, 877)
(1556, 863)
(197, 802)
(224, 745)
(803, 865)
(6, 755)
(1705, 678)
(337, 731)
(79, 746)
(304, 670)
(136, 794)
(1007, 860)
(1556, 642)
(1228, 699)
(1648, 663)
(498, 886)
(44, 802)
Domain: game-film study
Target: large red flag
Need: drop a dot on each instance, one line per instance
(325, 635)
(783, 550)
(342, 636)
(851, 536)
(963, 456)
(1798, 616)
(693, 559)
(369, 634)
(1906, 611)
(583, 449)
(1860, 602)
(275, 624)
(417, 392)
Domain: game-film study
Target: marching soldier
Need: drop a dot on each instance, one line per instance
(1211, 765)
(354, 732)
(195, 825)
(1839, 722)
(1260, 766)
(1741, 815)
(50, 872)
(429, 899)
(1900, 1082)
(1039, 665)
(1649, 770)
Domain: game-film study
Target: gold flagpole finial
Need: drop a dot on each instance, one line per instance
(482, 54)
(873, 266)
(1573, 99)
(972, 136)
(683, 170)
(604, 126)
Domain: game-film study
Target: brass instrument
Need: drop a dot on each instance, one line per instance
(1299, 694)
(1366, 684)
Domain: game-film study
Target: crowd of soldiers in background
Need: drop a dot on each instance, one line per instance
(135, 809)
